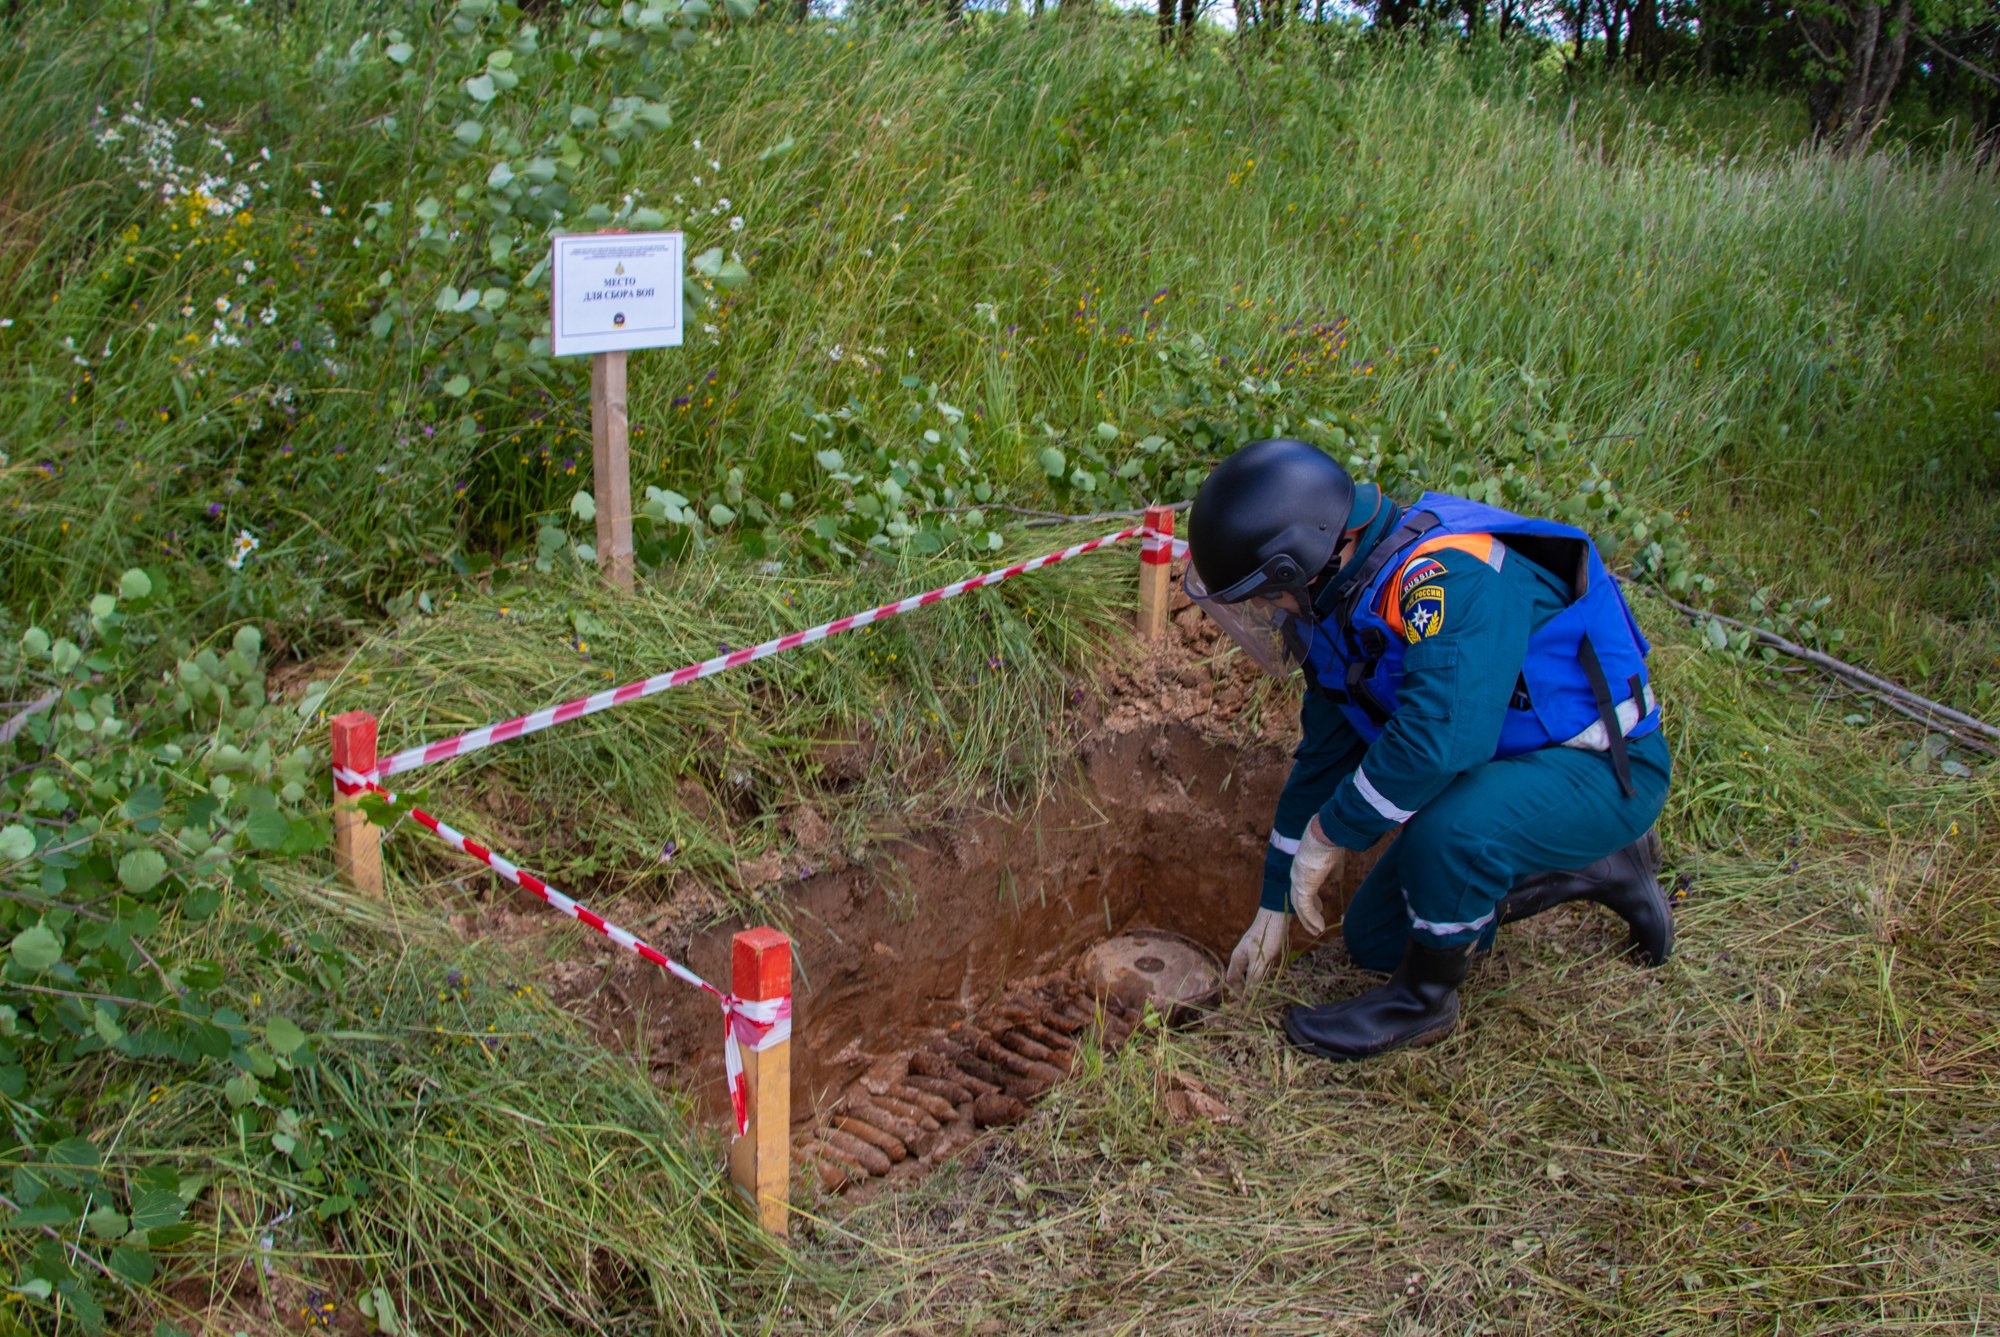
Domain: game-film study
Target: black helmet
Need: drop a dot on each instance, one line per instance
(1268, 519)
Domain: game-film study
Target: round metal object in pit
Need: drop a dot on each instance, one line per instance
(1153, 966)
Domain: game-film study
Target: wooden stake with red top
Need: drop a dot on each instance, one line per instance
(760, 1163)
(1156, 559)
(357, 844)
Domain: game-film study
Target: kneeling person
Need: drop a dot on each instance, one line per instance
(1474, 679)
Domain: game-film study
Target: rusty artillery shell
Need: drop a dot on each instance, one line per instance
(914, 1114)
(861, 1153)
(973, 1066)
(940, 1066)
(998, 1054)
(887, 1143)
(1056, 1042)
(989, 1111)
(915, 1139)
(950, 1091)
(1026, 1046)
(835, 1171)
(938, 1107)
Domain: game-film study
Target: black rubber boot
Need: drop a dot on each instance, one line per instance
(1417, 1006)
(1626, 881)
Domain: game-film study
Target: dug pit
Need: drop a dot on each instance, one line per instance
(941, 988)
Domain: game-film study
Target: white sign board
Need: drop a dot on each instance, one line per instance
(615, 291)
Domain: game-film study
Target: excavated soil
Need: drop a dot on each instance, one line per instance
(935, 989)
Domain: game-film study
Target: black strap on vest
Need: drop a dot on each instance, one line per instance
(1366, 648)
(1351, 585)
(1614, 737)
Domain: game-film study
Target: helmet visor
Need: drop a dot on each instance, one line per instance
(1268, 632)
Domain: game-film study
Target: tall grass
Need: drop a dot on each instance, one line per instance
(1029, 217)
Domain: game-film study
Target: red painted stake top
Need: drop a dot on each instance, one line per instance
(353, 737)
(760, 964)
(1161, 519)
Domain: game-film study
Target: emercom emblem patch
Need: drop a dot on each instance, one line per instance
(1423, 569)
(1423, 612)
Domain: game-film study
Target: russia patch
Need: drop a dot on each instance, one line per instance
(1423, 569)
(1423, 613)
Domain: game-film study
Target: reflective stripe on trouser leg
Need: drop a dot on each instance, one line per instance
(1456, 931)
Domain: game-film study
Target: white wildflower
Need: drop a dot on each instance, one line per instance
(222, 305)
(715, 164)
(270, 315)
(736, 223)
(245, 544)
(196, 103)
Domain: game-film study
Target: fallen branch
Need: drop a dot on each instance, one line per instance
(1987, 75)
(1967, 729)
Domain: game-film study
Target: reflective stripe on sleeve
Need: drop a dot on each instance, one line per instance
(1376, 801)
(1284, 844)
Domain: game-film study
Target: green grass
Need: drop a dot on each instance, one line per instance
(1450, 258)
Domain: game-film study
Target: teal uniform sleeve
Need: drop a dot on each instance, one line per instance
(1468, 626)
(1328, 751)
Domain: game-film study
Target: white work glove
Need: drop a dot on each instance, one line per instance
(1258, 950)
(1317, 858)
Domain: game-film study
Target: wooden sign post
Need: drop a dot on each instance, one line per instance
(612, 292)
(760, 1162)
(610, 468)
(1156, 569)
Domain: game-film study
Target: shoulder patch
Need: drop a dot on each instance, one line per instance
(1423, 612)
(1423, 569)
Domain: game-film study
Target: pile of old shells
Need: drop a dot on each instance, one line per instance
(913, 1109)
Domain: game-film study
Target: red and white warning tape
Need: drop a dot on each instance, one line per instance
(747, 1023)
(411, 758)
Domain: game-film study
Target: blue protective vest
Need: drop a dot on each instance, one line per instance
(1583, 666)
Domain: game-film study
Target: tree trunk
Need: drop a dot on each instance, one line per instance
(1642, 43)
(1166, 21)
(1863, 51)
(1611, 26)
(1190, 9)
(1392, 14)
(1989, 116)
